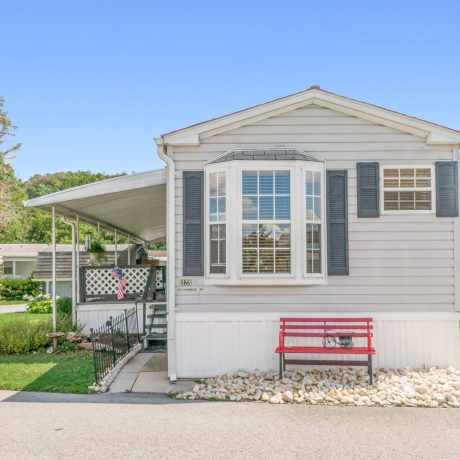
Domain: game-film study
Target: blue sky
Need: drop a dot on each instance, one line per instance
(90, 83)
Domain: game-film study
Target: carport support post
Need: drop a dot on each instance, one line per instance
(129, 253)
(116, 249)
(53, 240)
(78, 261)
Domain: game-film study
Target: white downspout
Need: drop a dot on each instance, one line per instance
(171, 243)
(78, 261)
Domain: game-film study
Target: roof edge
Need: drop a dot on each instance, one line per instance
(433, 133)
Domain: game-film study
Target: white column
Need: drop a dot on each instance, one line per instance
(116, 249)
(78, 260)
(53, 214)
(74, 275)
(129, 253)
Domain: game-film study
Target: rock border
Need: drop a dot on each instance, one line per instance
(337, 387)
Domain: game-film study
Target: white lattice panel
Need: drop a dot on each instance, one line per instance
(99, 281)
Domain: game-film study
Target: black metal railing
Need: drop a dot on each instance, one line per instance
(112, 341)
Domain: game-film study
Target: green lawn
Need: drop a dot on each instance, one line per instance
(36, 317)
(12, 302)
(61, 373)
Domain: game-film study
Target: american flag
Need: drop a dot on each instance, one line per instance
(120, 275)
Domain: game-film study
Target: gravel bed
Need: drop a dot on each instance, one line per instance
(344, 386)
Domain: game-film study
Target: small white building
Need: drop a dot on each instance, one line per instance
(309, 205)
(19, 260)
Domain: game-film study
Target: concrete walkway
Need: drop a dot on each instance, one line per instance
(147, 373)
(21, 308)
(84, 427)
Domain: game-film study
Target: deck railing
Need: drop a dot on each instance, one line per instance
(98, 284)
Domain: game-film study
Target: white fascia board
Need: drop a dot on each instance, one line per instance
(432, 133)
(116, 184)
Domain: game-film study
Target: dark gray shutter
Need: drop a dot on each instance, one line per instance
(447, 188)
(368, 189)
(337, 222)
(193, 203)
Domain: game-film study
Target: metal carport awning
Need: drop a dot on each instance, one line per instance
(134, 205)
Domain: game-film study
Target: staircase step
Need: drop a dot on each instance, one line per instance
(157, 315)
(154, 336)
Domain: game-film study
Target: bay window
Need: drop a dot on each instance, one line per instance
(265, 221)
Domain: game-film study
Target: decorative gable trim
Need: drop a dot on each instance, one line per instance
(432, 133)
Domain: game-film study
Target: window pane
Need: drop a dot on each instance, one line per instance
(283, 207)
(221, 188)
(249, 261)
(214, 251)
(309, 183)
(214, 232)
(282, 182)
(266, 208)
(313, 249)
(406, 177)
(317, 184)
(266, 182)
(249, 235)
(221, 203)
(317, 208)
(309, 214)
(8, 267)
(249, 182)
(283, 261)
(250, 207)
(266, 261)
(213, 209)
(283, 236)
(213, 184)
(266, 239)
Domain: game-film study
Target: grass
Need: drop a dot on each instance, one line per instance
(12, 302)
(34, 317)
(61, 373)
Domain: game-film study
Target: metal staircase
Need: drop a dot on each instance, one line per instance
(156, 328)
(155, 312)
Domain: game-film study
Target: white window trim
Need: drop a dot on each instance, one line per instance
(234, 221)
(207, 246)
(322, 171)
(431, 167)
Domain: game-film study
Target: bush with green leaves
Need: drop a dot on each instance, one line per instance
(64, 305)
(23, 333)
(16, 288)
(42, 303)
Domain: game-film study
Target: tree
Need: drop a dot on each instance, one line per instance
(11, 193)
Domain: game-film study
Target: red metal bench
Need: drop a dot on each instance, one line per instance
(339, 336)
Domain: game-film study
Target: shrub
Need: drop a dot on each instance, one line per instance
(42, 303)
(23, 333)
(64, 305)
(16, 289)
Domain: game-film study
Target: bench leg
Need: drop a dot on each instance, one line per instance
(281, 365)
(369, 369)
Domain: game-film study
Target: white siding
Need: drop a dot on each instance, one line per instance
(213, 344)
(397, 262)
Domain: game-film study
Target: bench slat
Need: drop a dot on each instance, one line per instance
(332, 350)
(324, 326)
(319, 334)
(322, 320)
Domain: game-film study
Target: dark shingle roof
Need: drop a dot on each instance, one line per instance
(265, 154)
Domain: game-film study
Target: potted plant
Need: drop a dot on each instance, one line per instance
(96, 251)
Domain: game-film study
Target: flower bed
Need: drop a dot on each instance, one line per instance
(402, 387)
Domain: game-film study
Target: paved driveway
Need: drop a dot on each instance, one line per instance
(13, 308)
(133, 426)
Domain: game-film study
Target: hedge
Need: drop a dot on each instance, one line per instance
(16, 288)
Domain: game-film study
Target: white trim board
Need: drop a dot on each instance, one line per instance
(431, 132)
